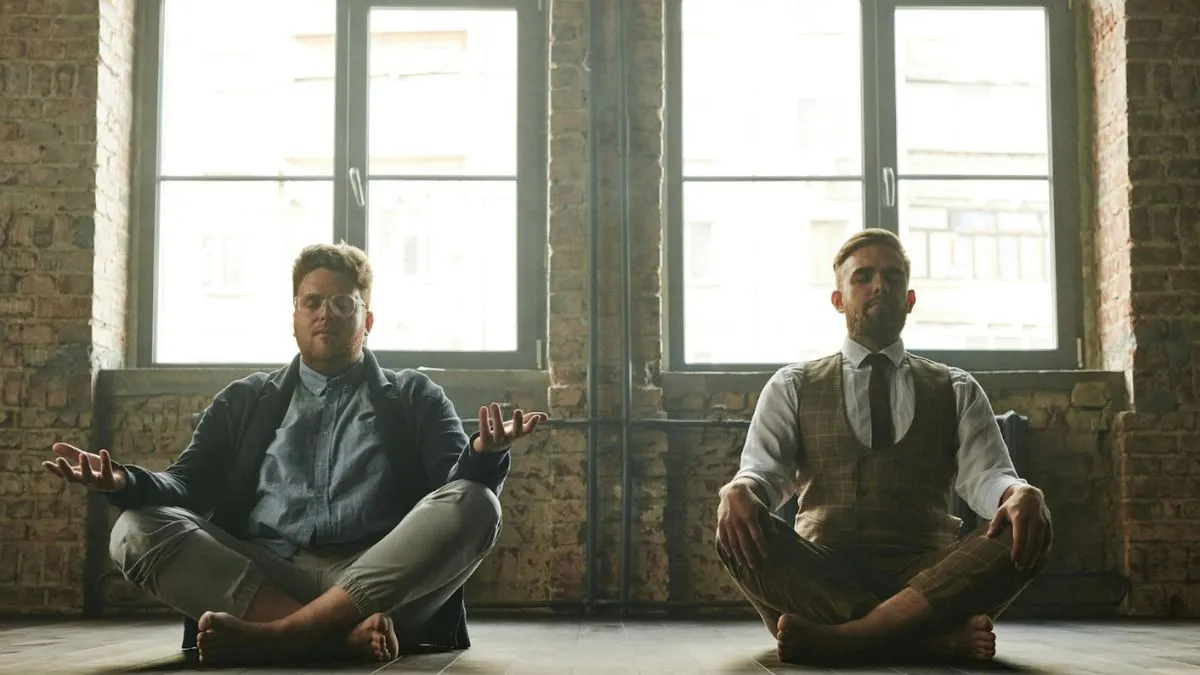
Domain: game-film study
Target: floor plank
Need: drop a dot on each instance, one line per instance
(610, 647)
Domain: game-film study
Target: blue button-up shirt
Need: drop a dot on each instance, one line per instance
(325, 478)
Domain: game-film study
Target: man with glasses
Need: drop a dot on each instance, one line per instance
(330, 508)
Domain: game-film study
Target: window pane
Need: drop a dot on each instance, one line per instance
(772, 87)
(247, 87)
(224, 279)
(971, 92)
(765, 297)
(445, 261)
(989, 283)
(443, 92)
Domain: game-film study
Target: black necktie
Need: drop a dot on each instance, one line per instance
(880, 401)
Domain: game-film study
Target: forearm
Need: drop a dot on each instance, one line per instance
(488, 468)
(143, 487)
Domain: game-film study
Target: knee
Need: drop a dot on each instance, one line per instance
(479, 508)
(135, 534)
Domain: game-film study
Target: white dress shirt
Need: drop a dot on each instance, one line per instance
(985, 469)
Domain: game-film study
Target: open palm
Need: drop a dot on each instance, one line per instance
(76, 466)
(495, 434)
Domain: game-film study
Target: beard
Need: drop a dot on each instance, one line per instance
(884, 325)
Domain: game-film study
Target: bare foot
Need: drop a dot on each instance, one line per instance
(223, 639)
(374, 639)
(801, 641)
(973, 641)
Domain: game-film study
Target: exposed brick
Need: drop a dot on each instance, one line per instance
(59, 74)
(1147, 165)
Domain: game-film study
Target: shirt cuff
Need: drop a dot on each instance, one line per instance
(763, 490)
(996, 490)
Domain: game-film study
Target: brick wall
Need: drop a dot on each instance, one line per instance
(1147, 151)
(64, 128)
(1121, 484)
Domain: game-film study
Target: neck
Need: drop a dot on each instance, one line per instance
(872, 343)
(332, 367)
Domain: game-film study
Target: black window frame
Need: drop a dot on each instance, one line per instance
(349, 176)
(879, 168)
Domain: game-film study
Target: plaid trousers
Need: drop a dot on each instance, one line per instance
(975, 575)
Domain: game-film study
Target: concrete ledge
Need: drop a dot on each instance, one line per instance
(500, 385)
(995, 383)
(463, 387)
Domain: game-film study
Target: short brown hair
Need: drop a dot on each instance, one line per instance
(871, 237)
(341, 257)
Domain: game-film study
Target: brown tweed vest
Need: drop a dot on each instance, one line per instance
(851, 495)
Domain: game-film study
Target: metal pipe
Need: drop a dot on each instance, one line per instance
(626, 305)
(592, 580)
(651, 422)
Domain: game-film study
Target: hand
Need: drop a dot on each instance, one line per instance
(738, 531)
(496, 435)
(93, 471)
(1025, 511)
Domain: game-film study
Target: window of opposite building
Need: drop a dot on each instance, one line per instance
(414, 130)
(792, 125)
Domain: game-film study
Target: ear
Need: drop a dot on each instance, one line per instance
(370, 321)
(836, 299)
(910, 300)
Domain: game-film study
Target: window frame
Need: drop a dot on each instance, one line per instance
(349, 223)
(879, 151)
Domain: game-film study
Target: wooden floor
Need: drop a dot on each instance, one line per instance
(611, 648)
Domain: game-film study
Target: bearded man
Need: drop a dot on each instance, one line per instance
(873, 441)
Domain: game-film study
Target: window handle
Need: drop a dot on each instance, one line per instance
(889, 187)
(356, 187)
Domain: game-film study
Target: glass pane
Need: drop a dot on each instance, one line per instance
(758, 269)
(445, 261)
(968, 102)
(224, 278)
(443, 92)
(983, 264)
(247, 87)
(772, 87)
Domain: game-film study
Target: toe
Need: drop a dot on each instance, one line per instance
(981, 622)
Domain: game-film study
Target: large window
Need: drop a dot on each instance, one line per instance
(794, 123)
(414, 130)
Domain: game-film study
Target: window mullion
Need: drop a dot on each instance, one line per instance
(883, 116)
(353, 102)
(532, 102)
(872, 203)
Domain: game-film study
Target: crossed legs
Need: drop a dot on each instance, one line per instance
(255, 606)
(817, 607)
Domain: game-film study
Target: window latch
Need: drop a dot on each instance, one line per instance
(356, 187)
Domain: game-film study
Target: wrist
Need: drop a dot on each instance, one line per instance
(478, 448)
(1017, 490)
(739, 486)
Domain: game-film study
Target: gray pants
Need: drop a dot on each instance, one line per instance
(189, 564)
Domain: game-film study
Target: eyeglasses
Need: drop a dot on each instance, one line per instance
(340, 306)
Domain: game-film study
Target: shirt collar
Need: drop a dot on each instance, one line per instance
(855, 353)
(318, 383)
